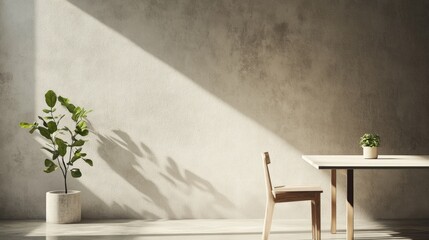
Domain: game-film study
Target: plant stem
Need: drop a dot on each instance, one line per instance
(70, 157)
(65, 182)
(59, 164)
(63, 170)
(65, 174)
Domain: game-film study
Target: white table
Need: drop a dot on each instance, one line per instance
(351, 162)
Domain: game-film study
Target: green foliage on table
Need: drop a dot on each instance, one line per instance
(63, 153)
(370, 140)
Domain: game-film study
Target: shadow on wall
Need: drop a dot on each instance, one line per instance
(94, 207)
(328, 72)
(131, 160)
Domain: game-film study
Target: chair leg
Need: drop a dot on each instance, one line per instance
(318, 230)
(268, 219)
(313, 220)
(315, 217)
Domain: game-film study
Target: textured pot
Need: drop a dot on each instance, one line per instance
(370, 152)
(63, 208)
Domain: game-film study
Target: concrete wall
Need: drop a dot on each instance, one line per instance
(187, 94)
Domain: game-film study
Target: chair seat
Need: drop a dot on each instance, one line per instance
(295, 193)
(297, 189)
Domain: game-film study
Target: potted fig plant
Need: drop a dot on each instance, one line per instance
(64, 146)
(370, 143)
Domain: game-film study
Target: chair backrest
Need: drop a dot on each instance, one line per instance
(266, 160)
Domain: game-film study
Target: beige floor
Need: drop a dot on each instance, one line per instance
(204, 230)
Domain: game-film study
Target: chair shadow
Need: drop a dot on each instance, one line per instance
(393, 229)
(411, 234)
(413, 230)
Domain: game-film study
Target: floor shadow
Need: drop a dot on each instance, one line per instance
(410, 229)
(411, 234)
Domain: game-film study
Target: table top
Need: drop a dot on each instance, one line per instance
(358, 162)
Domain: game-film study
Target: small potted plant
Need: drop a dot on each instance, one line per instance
(370, 143)
(64, 146)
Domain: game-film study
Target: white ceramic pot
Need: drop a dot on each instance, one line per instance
(370, 152)
(63, 208)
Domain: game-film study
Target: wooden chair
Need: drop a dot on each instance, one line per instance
(290, 194)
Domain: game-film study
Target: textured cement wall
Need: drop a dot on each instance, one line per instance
(186, 94)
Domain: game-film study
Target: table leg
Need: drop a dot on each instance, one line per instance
(350, 205)
(333, 201)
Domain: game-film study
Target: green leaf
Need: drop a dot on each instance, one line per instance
(62, 146)
(49, 110)
(75, 172)
(82, 125)
(44, 132)
(370, 140)
(52, 126)
(50, 98)
(76, 113)
(89, 161)
(48, 162)
(71, 108)
(63, 100)
(33, 128)
(78, 143)
(50, 166)
(82, 133)
(26, 125)
(82, 113)
(77, 110)
(43, 120)
(81, 128)
(86, 113)
(55, 155)
(75, 158)
(66, 103)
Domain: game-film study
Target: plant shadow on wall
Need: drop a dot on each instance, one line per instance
(168, 188)
(325, 84)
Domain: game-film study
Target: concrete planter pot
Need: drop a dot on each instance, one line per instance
(370, 152)
(63, 208)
